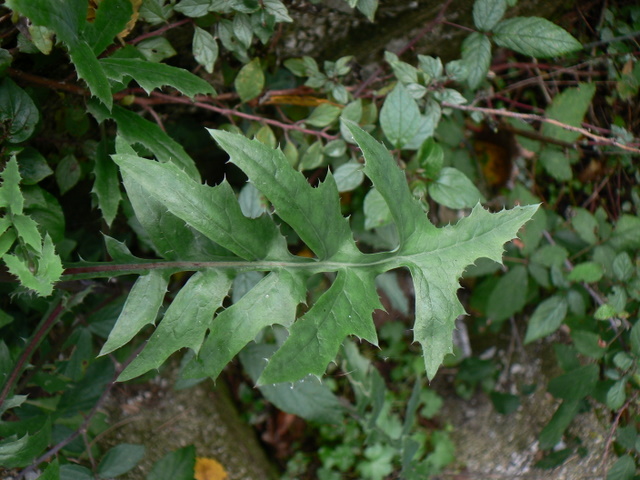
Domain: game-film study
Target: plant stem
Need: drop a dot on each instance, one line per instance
(30, 348)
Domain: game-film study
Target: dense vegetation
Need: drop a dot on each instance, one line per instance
(127, 238)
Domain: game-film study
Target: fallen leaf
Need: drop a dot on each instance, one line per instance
(209, 469)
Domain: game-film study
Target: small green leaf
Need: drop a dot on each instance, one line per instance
(585, 225)
(487, 13)
(509, 295)
(193, 8)
(556, 163)
(324, 115)
(624, 469)
(546, 318)
(552, 432)
(588, 343)
(534, 36)
(589, 272)
(348, 176)
(205, 48)
(250, 80)
(604, 312)
(575, 384)
(400, 117)
(376, 210)
(156, 49)
(177, 465)
(476, 55)
(20, 452)
(616, 395)
(568, 107)
(33, 166)
(307, 398)
(634, 338)
(107, 184)
(453, 189)
(430, 158)
(120, 459)
(48, 272)
(67, 173)
(18, 113)
(623, 267)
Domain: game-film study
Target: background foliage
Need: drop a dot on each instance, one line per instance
(339, 183)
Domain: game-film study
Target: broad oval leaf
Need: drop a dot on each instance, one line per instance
(534, 36)
(476, 55)
(487, 13)
(400, 117)
(453, 189)
(250, 80)
(546, 318)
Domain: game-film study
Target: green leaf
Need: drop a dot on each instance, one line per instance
(75, 472)
(156, 49)
(205, 48)
(67, 173)
(344, 309)
(177, 465)
(18, 113)
(324, 115)
(140, 309)
(534, 36)
(588, 343)
(193, 8)
(348, 176)
(568, 107)
(453, 189)
(376, 210)
(10, 194)
(107, 184)
(623, 267)
(487, 13)
(476, 55)
(20, 452)
(546, 318)
(430, 158)
(624, 469)
(314, 213)
(151, 75)
(616, 395)
(48, 272)
(27, 230)
(250, 80)
(111, 18)
(307, 398)
(273, 300)
(90, 70)
(132, 128)
(585, 225)
(120, 459)
(556, 163)
(552, 433)
(198, 205)
(509, 295)
(400, 117)
(185, 322)
(575, 384)
(586, 272)
(634, 338)
(33, 166)
(625, 235)
(420, 249)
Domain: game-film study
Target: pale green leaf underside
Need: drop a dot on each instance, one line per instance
(435, 257)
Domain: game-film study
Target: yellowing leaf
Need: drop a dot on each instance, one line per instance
(209, 469)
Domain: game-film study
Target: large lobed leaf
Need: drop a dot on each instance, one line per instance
(436, 257)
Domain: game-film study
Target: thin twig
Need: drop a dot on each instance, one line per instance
(539, 118)
(612, 431)
(30, 348)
